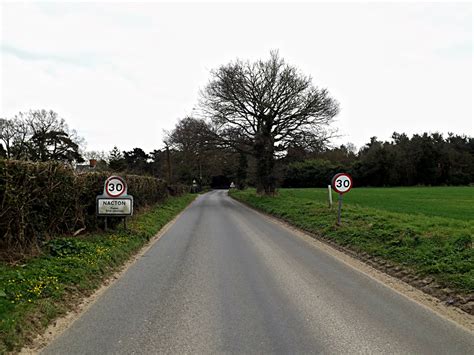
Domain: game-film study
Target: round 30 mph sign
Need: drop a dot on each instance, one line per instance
(342, 183)
(115, 186)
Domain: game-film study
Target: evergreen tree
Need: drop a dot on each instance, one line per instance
(116, 160)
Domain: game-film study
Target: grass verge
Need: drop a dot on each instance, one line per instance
(43, 288)
(433, 253)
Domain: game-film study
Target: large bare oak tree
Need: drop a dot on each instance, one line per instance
(262, 107)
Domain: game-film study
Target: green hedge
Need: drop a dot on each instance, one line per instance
(41, 200)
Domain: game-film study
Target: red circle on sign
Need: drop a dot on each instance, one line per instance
(335, 188)
(107, 186)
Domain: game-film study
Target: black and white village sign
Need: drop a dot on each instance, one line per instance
(114, 202)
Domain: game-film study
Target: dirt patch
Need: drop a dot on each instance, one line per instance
(425, 291)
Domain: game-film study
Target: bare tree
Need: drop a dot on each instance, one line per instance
(7, 135)
(96, 155)
(197, 153)
(190, 135)
(40, 135)
(263, 107)
(193, 138)
(15, 133)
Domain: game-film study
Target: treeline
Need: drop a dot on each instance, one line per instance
(427, 159)
(172, 163)
(422, 159)
(190, 153)
(194, 151)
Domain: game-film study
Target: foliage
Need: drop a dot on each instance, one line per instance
(310, 173)
(136, 161)
(430, 241)
(33, 294)
(427, 159)
(241, 174)
(41, 200)
(116, 161)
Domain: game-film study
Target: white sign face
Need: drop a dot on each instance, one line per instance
(116, 206)
(342, 183)
(115, 186)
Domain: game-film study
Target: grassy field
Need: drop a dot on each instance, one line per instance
(34, 293)
(429, 231)
(449, 202)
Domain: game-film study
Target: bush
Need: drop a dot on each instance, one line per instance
(310, 173)
(41, 200)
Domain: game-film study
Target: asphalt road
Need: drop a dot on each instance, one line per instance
(225, 279)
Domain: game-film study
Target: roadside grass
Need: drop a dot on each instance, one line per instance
(38, 291)
(384, 224)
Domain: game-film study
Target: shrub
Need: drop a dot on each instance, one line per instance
(41, 200)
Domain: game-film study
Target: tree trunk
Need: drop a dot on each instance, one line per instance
(266, 182)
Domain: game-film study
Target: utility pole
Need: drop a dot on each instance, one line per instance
(168, 161)
(200, 168)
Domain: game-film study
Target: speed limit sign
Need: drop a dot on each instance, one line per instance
(115, 186)
(342, 183)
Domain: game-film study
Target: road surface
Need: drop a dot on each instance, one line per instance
(225, 279)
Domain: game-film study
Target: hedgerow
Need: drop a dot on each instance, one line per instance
(41, 200)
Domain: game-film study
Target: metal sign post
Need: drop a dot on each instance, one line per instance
(341, 183)
(339, 208)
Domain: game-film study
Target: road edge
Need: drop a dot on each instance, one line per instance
(453, 314)
(61, 324)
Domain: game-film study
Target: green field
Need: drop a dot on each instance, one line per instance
(449, 202)
(428, 231)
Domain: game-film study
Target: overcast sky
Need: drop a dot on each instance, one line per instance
(121, 73)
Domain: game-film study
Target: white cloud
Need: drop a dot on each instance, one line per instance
(120, 73)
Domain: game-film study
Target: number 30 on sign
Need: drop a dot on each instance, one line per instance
(115, 186)
(341, 183)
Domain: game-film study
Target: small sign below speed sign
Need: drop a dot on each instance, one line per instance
(342, 183)
(115, 187)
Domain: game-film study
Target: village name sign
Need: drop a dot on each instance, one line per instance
(114, 202)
